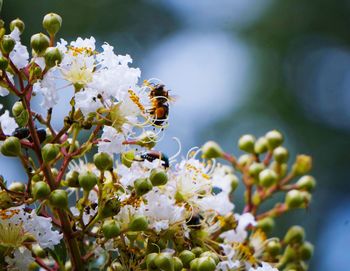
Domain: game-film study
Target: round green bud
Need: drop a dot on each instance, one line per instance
(281, 155)
(246, 143)
(8, 44)
(306, 182)
(266, 224)
(212, 150)
(177, 264)
(244, 160)
(41, 190)
(72, 178)
(255, 169)
(20, 113)
(127, 158)
(261, 145)
(138, 223)
(87, 180)
(194, 264)
(52, 57)
(273, 248)
(147, 140)
(306, 251)
(197, 251)
(289, 254)
(294, 199)
(59, 198)
(267, 178)
(150, 261)
(17, 23)
(11, 147)
(103, 161)
(158, 177)
(3, 63)
(234, 181)
(164, 261)
(142, 186)
(52, 23)
(212, 255)
(186, 257)
(17, 187)
(111, 229)
(302, 165)
(282, 169)
(274, 139)
(110, 208)
(206, 264)
(50, 152)
(295, 234)
(39, 43)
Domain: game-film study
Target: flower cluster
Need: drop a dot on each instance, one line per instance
(130, 206)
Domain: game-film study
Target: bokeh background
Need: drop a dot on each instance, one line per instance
(238, 66)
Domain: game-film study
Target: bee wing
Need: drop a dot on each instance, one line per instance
(173, 98)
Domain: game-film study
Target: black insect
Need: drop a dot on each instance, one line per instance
(195, 221)
(23, 133)
(153, 155)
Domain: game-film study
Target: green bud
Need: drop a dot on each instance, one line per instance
(20, 113)
(295, 234)
(17, 23)
(3, 63)
(177, 264)
(306, 251)
(289, 255)
(52, 23)
(206, 264)
(103, 161)
(211, 150)
(158, 177)
(38, 251)
(59, 198)
(50, 152)
(306, 182)
(110, 208)
(72, 178)
(274, 139)
(8, 44)
(52, 56)
(39, 43)
(150, 261)
(255, 169)
(186, 257)
(41, 190)
(127, 158)
(266, 224)
(212, 255)
(267, 178)
(294, 199)
(244, 160)
(302, 165)
(147, 140)
(197, 251)
(11, 147)
(164, 261)
(87, 180)
(142, 186)
(111, 229)
(116, 267)
(282, 169)
(273, 248)
(194, 264)
(280, 154)
(234, 181)
(138, 223)
(261, 145)
(5, 202)
(17, 187)
(246, 143)
(256, 199)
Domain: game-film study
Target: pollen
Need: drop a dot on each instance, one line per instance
(80, 50)
(7, 214)
(136, 99)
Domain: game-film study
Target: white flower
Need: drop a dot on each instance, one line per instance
(221, 178)
(240, 233)
(86, 100)
(19, 54)
(111, 141)
(89, 212)
(47, 87)
(22, 257)
(84, 43)
(219, 203)
(264, 267)
(8, 124)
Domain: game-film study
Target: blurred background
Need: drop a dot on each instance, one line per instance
(238, 66)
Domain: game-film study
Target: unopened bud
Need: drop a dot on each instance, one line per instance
(294, 199)
(11, 146)
(50, 152)
(87, 180)
(17, 23)
(177, 264)
(211, 150)
(212, 255)
(266, 224)
(20, 114)
(39, 43)
(72, 178)
(150, 261)
(295, 234)
(41, 190)
(3, 63)
(52, 23)
(103, 161)
(246, 143)
(306, 182)
(158, 177)
(164, 261)
(38, 251)
(59, 198)
(245, 160)
(274, 139)
(8, 44)
(197, 251)
(127, 158)
(186, 257)
(280, 154)
(52, 57)
(110, 208)
(273, 247)
(255, 169)
(17, 187)
(306, 251)
(234, 181)
(206, 264)
(194, 264)
(142, 186)
(111, 229)
(302, 165)
(147, 140)
(261, 145)
(267, 178)
(138, 223)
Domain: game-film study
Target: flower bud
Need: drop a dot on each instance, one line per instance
(294, 199)
(38, 251)
(138, 223)
(111, 229)
(211, 150)
(302, 165)
(267, 178)
(266, 224)
(289, 254)
(127, 158)
(103, 161)
(282, 169)
(39, 43)
(150, 261)
(41, 190)
(87, 180)
(20, 113)
(186, 257)
(255, 169)
(72, 178)
(274, 139)
(306, 251)
(59, 198)
(246, 143)
(194, 264)
(295, 234)
(110, 208)
(52, 56)
(197, 251)
(164, 261)
(261, 145)
(158, 177)
(212, 255)
(256, 198)
(306, 182)
(147, 140)
(177, 264)
(3, 63)
(11, 146)
(50, 152)
(17, 23)
(206, 264)
(280, 154)
(244, 160)
(234, 181)
(17, 187)
(273, 247)
(52, 23)
(8, 44)
(142, 186)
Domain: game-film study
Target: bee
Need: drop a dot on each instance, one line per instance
(153, 155)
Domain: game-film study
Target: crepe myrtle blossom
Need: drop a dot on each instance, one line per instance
(98, 191)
